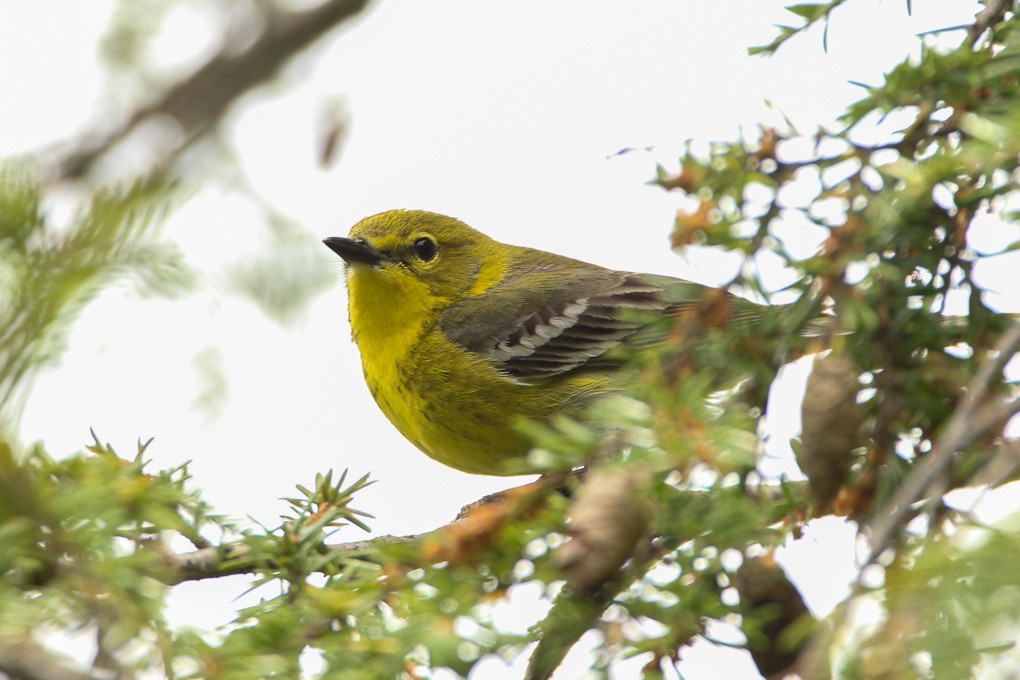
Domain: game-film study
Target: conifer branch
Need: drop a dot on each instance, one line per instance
(975, 417)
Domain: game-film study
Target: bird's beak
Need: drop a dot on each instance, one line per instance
(355, 250)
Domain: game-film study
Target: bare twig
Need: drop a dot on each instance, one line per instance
(198, 102)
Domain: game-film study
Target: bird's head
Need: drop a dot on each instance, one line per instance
(417, 261)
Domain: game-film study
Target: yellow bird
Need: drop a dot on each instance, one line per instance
(462, 336)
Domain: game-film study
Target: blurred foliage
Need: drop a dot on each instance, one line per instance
(49, 272)
(285, 273)
(89, 543)
(212, 379)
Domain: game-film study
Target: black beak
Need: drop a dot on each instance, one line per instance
(355, 250)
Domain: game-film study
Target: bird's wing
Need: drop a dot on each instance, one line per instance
(544, 325)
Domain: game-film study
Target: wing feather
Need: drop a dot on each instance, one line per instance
(551, 315)
(556, 332)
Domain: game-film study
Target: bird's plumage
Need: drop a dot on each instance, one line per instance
(462, 336)
(547, 327)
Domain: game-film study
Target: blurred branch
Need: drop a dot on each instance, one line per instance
(992, 14)
(606, 523)
(573, 613)
(198, 102)
(23, 659)
(974, 418)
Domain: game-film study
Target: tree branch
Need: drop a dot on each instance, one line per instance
(237, 558)
(198, 102)
(1001, 466)
(971, 420)
(992, 14)
(474, 522)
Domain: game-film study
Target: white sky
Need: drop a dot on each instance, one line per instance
(504, 115)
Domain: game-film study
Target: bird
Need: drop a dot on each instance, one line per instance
(463, 337)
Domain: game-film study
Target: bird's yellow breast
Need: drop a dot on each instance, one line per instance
(386, 334)
(457, 407)
(388, 315)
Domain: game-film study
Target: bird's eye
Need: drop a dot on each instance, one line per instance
(424, 249)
